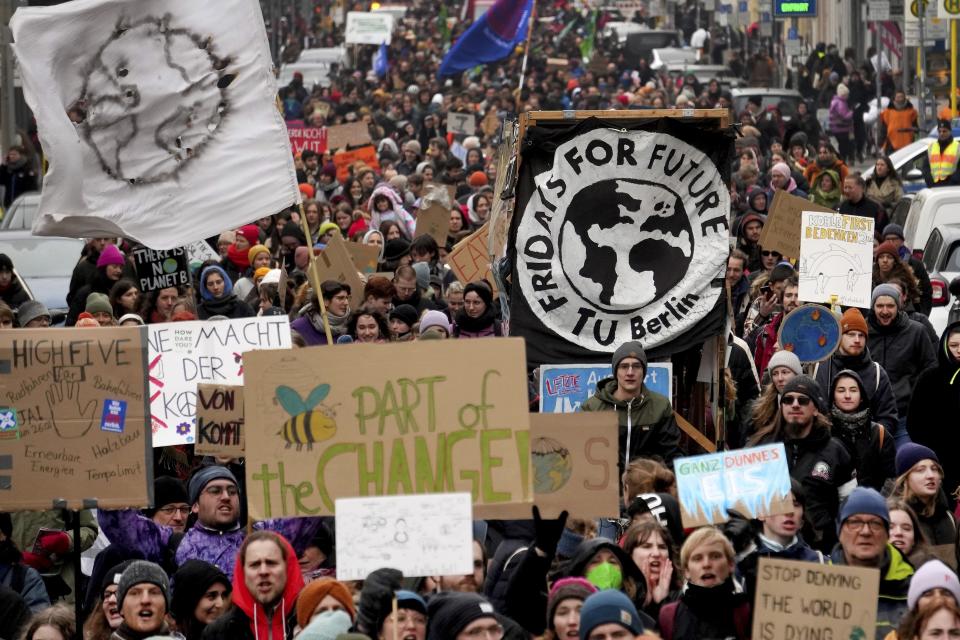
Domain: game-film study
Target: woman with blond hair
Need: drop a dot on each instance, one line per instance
(920, 484)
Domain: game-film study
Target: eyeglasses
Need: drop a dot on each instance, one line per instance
(630, 366)
(169, 511)
(856, 524)
(416, 619)
(800, 400)
(217, 491)
(494, 630)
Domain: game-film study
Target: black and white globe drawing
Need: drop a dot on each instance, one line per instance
(153, 96)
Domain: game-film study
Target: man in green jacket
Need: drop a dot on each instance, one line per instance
(647, 425)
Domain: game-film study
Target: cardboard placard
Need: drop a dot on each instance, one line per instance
(73, 415)
(564, 387)
(574, 461)
(470, 260)
(331, 425)
(836, 259)
(343, 159)
(754, 481)
(557, 64)
(343, 135)
(810, 600)
(161, 269)
(220, 420)
(335, 263)
(420, 535)
(490, 124)
(781, 233)
(365, 257)
(434, 221)
(368, 27)
(185, 354)
(303, 137)
(464, 124)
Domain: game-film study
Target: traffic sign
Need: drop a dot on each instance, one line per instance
(795, 8)
(792, 46)
(948, 8)
(879, 10)
(911, 10)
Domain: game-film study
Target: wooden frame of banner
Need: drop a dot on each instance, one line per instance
(720, 118)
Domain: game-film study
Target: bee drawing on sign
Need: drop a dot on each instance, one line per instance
(310, 421)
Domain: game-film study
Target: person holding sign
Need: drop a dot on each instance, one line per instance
(647, 425)
(713, 604)
(817, 460)
(864, 529)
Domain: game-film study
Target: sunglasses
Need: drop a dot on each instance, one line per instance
(769, 253)
(800, 400)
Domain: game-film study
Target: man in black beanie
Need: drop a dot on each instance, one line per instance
(816, 459)
(647, 425)
(170, 496)
(461, 616)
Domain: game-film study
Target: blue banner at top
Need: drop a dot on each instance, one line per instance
(490, 38)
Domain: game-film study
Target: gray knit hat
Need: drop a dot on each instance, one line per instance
(30, 310)
(784, 358)
(630, 350)
(143, 572)
(885, 290)
(205, 476)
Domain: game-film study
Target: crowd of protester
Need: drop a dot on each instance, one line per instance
(866, 431)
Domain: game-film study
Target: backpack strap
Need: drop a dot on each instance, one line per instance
(668, 615)
(877, 387)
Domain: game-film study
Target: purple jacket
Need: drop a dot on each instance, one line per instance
(128, 529)
(310, 335)
(840, 117)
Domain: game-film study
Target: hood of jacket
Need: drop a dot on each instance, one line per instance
(387, 191)
(227, 283)
(864, 396)
(948, 363)
(260, 624)
(577, 565)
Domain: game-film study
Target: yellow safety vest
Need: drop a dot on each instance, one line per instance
(943, 162)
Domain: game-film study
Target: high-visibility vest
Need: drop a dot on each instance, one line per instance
(943, 162)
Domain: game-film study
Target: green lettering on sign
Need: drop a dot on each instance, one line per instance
(794, 7)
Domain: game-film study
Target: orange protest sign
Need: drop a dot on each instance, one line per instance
(470, 260)
(343, 159)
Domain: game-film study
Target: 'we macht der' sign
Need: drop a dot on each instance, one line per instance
(755, 482)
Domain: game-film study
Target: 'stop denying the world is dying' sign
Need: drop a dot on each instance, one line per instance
(621, 238)
(386, 419)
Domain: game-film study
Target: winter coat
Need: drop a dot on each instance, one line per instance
(766, 343)
(840, 117)
(745, 376)
(83, 273)
(28, 583)
(128, 529)
(17, 179)
(14, 613)
(815, 169)
(898, 126)
(226, 305)
(875, 384)
(904, 350)
(647, 424)
(870, 445)
(821, 464)
(939, 528)
(14, 295)
(246, 618)
(763, 548)
(99, 284)
(866, 208)
(395, 213)
(707, 612)
(923, 281)
(885, 191)
(577, 567)
(936, 397)
(895, 575)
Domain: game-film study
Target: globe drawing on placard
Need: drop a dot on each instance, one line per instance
(810, 332)
(169, 265)
(631, 228)
(552, 465)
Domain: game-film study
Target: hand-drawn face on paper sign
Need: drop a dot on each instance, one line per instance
(152, 97)
(622, 239)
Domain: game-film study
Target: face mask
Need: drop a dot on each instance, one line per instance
(605, 576)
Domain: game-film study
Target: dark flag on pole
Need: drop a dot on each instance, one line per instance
(619, 234)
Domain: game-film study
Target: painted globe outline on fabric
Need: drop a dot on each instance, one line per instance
(125, 113)
(811, 332)
(552, 465)
(648, 223)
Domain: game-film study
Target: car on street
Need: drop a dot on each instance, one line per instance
(941, 257)
(22, 211)
(640, 44)
(931, 209)
(43, 265)
(786, 100)
(704, 73)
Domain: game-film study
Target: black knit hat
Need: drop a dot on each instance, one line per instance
(482, 289)
(451, 612)
(168, 490)
(405, 313)
(807, 386)
(395, 249)
(294, 230)
(6, 264)
(190, 582)
(112, 576)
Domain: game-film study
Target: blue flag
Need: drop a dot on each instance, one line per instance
(380, 60)
(492, 37)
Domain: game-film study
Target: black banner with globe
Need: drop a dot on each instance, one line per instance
(161, 269)
(619, 234)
